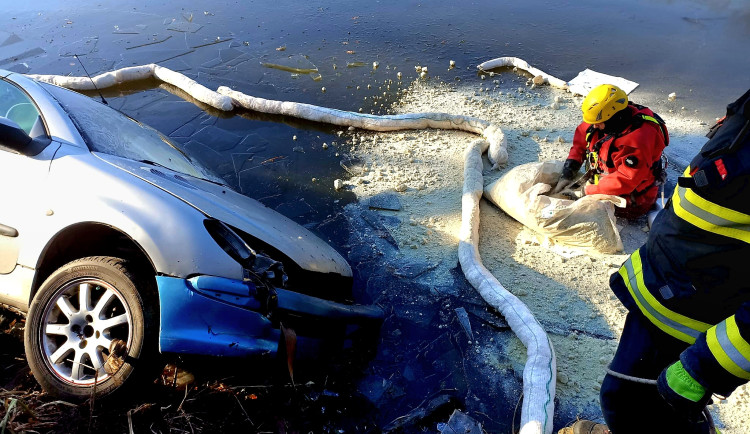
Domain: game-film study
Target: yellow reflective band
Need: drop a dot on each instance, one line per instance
(714, 340)
(710, 216)
(649, 118)
(733, 332)
(678, 326)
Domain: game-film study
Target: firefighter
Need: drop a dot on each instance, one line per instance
(622, 145)
(687, 332)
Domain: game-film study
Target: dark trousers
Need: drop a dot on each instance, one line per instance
(629, 407)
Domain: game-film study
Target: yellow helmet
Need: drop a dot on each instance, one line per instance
(602, 102)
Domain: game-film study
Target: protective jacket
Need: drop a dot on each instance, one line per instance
(626, 164)
(691, 279)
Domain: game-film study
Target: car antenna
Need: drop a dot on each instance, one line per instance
(92, 80)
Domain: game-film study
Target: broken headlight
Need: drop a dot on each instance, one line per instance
(264, 270)
(230, 242)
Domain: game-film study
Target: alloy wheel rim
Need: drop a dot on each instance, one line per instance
(78, 326)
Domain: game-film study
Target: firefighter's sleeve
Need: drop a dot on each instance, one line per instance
(578, 150)
(632, 165)
(720, 359)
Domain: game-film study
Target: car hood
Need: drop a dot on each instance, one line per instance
(249, 215)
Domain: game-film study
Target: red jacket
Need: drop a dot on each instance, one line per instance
(625, 161)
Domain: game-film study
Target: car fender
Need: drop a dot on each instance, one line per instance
(168, 230)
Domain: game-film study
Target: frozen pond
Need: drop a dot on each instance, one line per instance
(697, 49)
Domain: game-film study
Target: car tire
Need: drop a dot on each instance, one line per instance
(83, 310)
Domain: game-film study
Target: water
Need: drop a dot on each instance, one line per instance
(698, 49)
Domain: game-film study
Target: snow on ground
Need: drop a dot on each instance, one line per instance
(565, 292)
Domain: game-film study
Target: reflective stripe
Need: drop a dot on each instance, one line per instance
(670, 322)
(650, 118)
(710, 216)
(729, 348)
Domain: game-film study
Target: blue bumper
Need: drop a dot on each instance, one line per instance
(216, 316)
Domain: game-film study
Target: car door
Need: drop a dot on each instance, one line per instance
(22, 180)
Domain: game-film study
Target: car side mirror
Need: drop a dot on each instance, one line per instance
(14, 139)
(12, 136)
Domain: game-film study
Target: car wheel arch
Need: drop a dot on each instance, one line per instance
(89, 239)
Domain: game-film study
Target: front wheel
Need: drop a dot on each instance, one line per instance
(80, 312)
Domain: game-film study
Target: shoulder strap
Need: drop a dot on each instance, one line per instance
(655, 119)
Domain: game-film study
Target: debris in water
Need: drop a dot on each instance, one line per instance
(282, 48)
(434, 410)
(463, 319)
(452, 64)
(118, 349)
(173, 376)
(83, 46)
(298, 149)
(461, 423)
(155, 40)
(398, 74)
(350, 52)
(386, 201)
(354, 166)
(375, 65)
(672, 96)
(538, 80)
(297, 64)
(184, 26)
(127, 31)
(338, 184)
(323, 89)
(355, 64)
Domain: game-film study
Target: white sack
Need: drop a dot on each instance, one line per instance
(587, 223)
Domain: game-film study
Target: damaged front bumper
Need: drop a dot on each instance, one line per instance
(209, 315)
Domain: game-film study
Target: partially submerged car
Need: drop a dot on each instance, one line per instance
(119, 246)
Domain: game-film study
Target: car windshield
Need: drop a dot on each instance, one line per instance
(110, 132)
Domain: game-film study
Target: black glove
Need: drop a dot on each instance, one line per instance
(570, 168)
(567, 176)
(682, 392)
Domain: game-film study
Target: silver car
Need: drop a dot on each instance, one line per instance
(120, 247)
